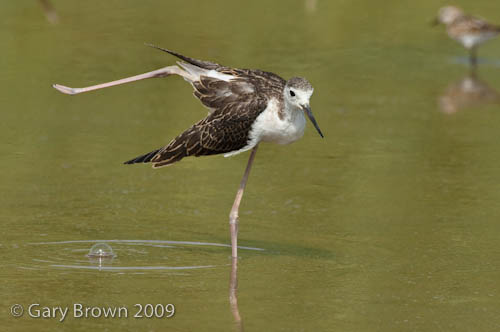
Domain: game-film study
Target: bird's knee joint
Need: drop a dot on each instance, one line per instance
(233, 218)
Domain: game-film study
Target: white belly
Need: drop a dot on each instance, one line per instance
(472, 40)
(268, 127)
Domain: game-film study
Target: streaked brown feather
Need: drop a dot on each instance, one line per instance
(222, 131)
(235, 105)
(467, 24)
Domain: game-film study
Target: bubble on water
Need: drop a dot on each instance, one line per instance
(101, 250)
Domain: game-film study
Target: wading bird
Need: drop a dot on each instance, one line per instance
(246, 107)
(468, 30)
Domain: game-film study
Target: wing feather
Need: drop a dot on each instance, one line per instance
(475, 25)
(236, 97)
(222, 131)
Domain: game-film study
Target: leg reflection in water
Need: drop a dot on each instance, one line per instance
(50, 12)
(233, 294)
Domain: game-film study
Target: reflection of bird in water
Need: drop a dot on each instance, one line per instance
(467, 92)
(245, 107)
(468, 30)
(50, 12)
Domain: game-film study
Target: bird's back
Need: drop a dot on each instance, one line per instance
(472, 31)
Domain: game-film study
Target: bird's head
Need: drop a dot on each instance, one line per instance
(297, 93)
(448, 14)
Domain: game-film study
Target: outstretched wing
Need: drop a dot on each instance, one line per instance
(235, 97)
(233, 87)
(216, 85)
(225, 130)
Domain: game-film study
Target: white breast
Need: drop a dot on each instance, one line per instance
(268, 127)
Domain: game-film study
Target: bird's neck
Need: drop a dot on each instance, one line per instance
(291, 111)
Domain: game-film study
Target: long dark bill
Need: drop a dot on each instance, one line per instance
(308, 111)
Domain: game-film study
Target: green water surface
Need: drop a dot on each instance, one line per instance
(389, 223)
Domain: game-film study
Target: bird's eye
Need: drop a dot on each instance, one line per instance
(292, 93)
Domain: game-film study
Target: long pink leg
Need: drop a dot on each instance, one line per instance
(233, 216)
(163, 72)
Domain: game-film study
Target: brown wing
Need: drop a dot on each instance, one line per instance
(222, 131)
(473, 24)
(215, 93)
(235, 105)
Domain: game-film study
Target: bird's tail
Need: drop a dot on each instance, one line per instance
(145, 158)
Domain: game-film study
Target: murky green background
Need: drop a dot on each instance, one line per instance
(390, 223)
